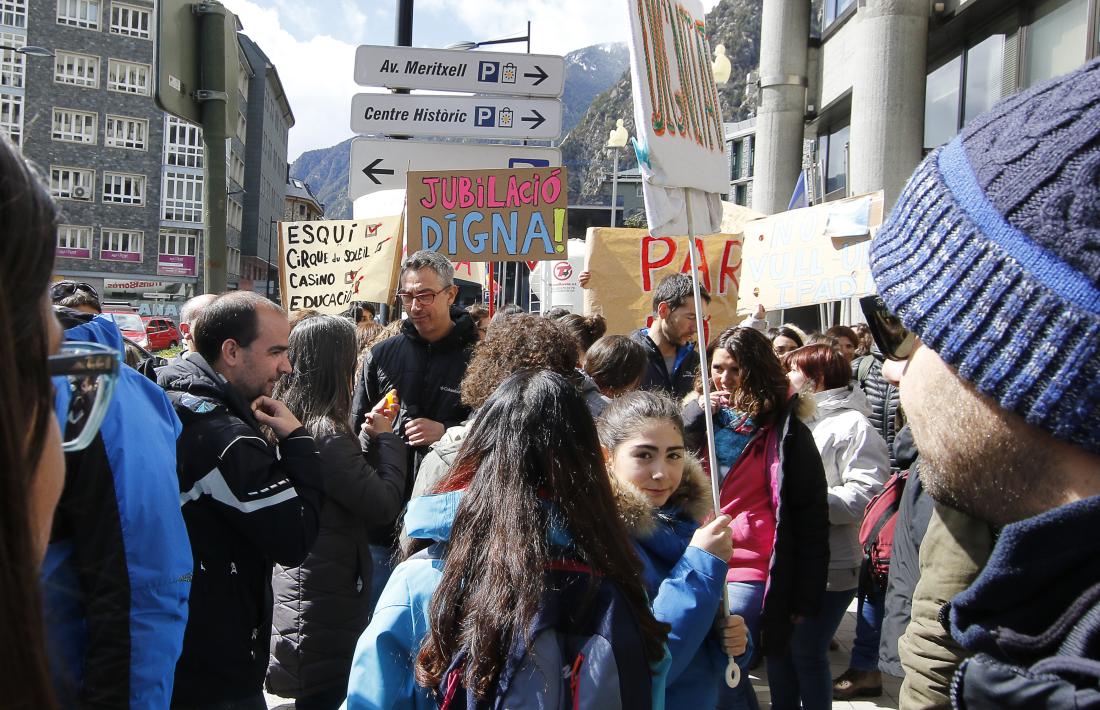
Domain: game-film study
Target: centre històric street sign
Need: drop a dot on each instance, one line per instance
(469, 116)
(380, 164)
(457, 70)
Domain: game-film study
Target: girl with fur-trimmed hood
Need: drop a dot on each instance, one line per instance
(662, 496)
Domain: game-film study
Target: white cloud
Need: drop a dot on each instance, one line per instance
(316, 74)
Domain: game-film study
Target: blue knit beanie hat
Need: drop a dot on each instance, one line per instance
(992, 255)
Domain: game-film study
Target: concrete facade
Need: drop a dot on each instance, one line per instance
(741, 155)
(872, 66)
(784, 35)
(268, 119)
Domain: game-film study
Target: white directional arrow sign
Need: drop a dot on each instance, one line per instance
(380, 164)
(472, 116)
(456, 70)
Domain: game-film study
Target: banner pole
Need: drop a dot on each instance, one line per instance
(733, 671)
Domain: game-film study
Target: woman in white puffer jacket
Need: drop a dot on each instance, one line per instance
(857, 463)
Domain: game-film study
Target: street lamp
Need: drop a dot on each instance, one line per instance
(467, 44)
(721, 66)
(615, 140)
(30, 50)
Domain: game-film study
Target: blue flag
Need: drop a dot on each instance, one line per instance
(798, 199)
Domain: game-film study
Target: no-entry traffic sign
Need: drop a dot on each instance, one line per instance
(470, 116)
(456, 70)
(380, 164)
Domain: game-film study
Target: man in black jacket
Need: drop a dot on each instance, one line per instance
(425, 363)
(673, 361)
(247, 503)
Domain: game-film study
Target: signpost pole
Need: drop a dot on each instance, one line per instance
(733, 671)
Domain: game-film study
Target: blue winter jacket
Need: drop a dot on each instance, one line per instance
(382, 670)
(117, 573)
(685, 584)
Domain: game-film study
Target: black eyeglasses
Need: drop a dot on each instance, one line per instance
(84, 379)
(892, 338)
(424, 298)
(64, 289)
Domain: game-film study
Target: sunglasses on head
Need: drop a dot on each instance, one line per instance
(84, 376)
(894, 340)
(64, 289)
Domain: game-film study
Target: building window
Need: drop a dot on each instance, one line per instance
(121, 241)
(123, 188)
(242, 127)
(182, 143)
(735, 163)
(74, 241)
(741, 194)
(11, 117)
(13, 13)
(13, 66)
(233, 261)
(128, 77)
(1057, 40)
(74, 126)
(235, 215)
(834, 9)
(182, 197)
(124, 132)
(72, 183)
(941, 104)
(242, 79)
(966, 86)
(177, 243)
(833, 154)
(76, 69)
(78, 13)
(236, 169)
(130, 21)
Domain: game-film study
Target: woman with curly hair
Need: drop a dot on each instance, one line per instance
(519, 342)
(772, 485)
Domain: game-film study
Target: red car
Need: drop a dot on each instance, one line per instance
(131, 325)
(162, 332)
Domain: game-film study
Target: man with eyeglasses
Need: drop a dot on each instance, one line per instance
(989, 273)
(425, 363)
(117, 573)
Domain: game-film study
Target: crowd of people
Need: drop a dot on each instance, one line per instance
(454, 510)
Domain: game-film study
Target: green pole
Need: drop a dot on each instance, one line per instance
(217, 45)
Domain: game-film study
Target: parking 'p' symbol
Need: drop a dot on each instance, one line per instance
(488, 72)
(485, 116)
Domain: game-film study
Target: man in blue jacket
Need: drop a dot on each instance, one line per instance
(117, 572)
(990, 262)
(672, 360)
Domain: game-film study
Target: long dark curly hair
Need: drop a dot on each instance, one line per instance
(763, 390)
(531, 463)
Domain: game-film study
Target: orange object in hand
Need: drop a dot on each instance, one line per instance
(391, 400)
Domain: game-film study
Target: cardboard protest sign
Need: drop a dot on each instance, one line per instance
(327, 265)
(517, 214)
(681, 140)
(812, 255)
(625, 266)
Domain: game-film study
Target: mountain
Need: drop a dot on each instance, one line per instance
(733, 23)
(588, 72)
(326, 171)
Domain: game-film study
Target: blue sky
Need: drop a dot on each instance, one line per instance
(312, 43)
